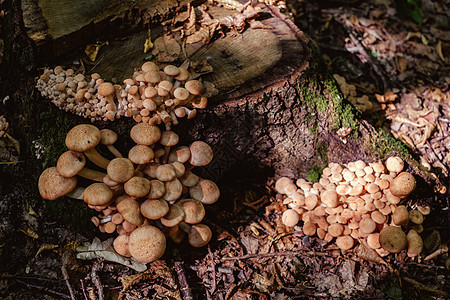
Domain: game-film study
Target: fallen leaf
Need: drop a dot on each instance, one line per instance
(105, 250)
(92, 50)
(439, 50)
(148, 42)
(30, 232)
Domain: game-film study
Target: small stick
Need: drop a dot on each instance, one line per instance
(184, 286)
(83, 289)
(44, 289)
(65, 274)
(424, 287)
(96, 280)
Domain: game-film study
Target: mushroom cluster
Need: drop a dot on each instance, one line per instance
(357, 201)
(144, 198)
(151, 96)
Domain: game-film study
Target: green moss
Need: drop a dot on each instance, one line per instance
(382, 143)
(73, 213)
(313, 175)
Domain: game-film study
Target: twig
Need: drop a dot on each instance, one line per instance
(65, 274)
(213, 265)
(260, 255)
(96, 280)
(184, 286)
(43, 289)
(423, 287)
(83, 289)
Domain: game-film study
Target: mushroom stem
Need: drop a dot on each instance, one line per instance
(91, 174)
(165, 157)
(114, 151)
(184, 226)
(97, 158)
(77, 193)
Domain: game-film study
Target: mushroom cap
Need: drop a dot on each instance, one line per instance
(171, 70)
(330, 198)
(147, 244)
(193, 209)
(415, 217)
(174, 189)
(290, 218)
(335, 229)
(83, 137)
(52, 185)
(205, 191)
(181, 93)
(392, 239)
(281, 183)
(154, 209)
(105, 89)
(108, 137)
(189, 179)
(174, 217)
(70, 163)
(169, 138)
(121, 245)
(179, 168)
(129, 209)
(199, 235)
(120, 169)
(166, 172)
(395, 164)
(181, 154)
(140, 154)
(194, 87)
(309, 228)
(403, 184)
(373, 240)
(345, 242)
(201, 154)
(367, 225)
(137, 187)
(149, 66)
(97, 194)
(145, 134)
(183, 75)
(157, 189)
(415, 243)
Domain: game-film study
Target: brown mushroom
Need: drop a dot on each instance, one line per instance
(145, 134)
(415, 243)
(53, 186)
(120, 169)
(403, 184)
(193, 209)
(108, 138)
(121, 245)
(392, 239)
(137, 187)
(84, 138)
(199, 235)
(98, 194)
(174, 216)
(205, 191)
(72, 163)
(201, 154)
(147, 244)
(130, 211)
(154, 209)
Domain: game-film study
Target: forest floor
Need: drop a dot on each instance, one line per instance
(395, 68)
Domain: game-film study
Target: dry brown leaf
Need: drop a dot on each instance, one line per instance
(30, 232)
(367, 253)
(44, 247)
(92, 50)
(439, 50)
(401, 63)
